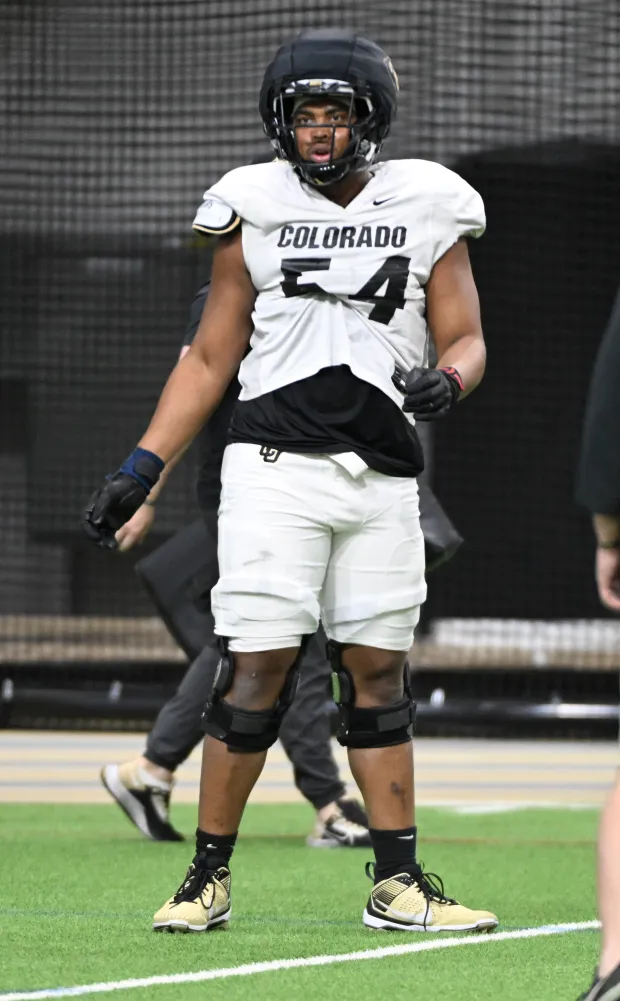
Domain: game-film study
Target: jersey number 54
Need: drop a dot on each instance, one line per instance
(394, 271)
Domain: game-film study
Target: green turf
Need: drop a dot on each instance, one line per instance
(79, 886)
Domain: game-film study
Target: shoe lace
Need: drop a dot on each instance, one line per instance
(429, 884)
(196, 881)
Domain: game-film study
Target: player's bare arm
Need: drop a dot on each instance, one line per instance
(453, 315)
(197, 383)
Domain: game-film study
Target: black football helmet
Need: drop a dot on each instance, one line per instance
(323, 63)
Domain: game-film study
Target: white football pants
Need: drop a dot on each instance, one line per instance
(316, 536)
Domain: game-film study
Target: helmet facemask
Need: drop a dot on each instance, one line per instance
(361, 149)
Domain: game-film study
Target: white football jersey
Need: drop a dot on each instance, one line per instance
(340, 286)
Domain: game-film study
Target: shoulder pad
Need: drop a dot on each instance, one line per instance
(216, 217)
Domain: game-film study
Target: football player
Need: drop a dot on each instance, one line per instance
(334, 268)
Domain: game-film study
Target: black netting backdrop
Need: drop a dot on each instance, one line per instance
(115, 115)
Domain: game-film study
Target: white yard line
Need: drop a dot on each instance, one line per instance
(484, 808)
(290, 964)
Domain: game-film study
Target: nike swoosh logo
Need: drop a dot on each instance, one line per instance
(405, 837)
(382, 200)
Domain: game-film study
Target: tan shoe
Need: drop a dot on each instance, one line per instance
(415, 901)
(201, 902)
(145, 799)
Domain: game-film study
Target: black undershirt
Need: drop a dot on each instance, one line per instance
(332, 411)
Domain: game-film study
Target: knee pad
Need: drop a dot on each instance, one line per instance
(245, 730)
(379, 726)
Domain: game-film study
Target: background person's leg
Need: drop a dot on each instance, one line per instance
(305, 733)
(306, 737)
(142, 787)
(177, 729)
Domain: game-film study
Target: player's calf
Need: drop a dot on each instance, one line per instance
(378, 737)
(241, 730)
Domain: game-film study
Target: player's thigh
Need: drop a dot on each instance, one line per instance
(375, 581)
(273, 550)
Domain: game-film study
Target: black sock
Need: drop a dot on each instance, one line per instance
(215, 850)
(394, 851)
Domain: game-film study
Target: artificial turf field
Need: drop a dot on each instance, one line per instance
(79, 886)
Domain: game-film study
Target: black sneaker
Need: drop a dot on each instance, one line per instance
(144, 799)
(607, 989)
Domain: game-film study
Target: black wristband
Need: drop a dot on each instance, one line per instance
(145, 467)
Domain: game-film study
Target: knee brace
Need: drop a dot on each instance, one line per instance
(246, 730)
(379, 726)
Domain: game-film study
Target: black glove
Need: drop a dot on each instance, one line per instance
(119, 498)
(431, 392)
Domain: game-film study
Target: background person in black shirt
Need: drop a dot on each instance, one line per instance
(598, 489)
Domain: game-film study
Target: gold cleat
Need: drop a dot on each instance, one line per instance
(415, 901)
(201, 902)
